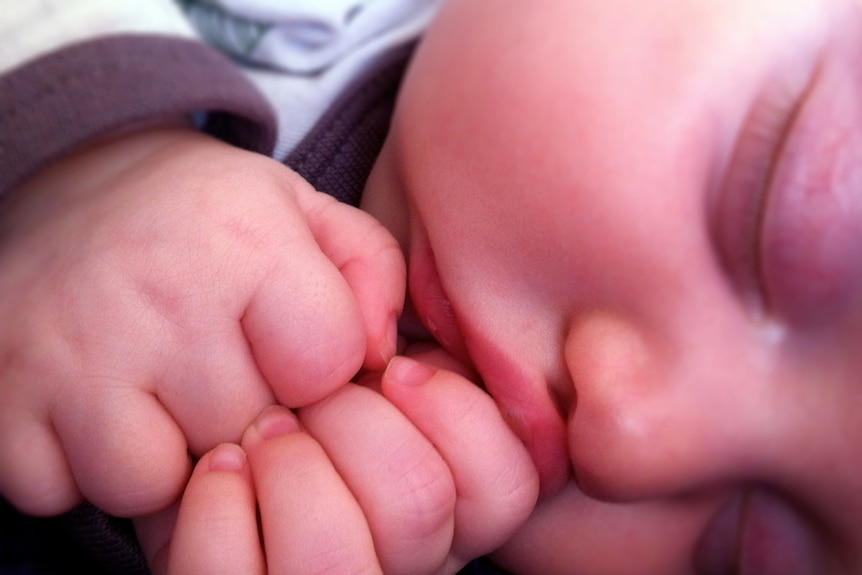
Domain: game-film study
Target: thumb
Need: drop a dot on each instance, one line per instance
(369, 259)
(330, 298)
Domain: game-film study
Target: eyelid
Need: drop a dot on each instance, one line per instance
(740, 208)
(811, 237)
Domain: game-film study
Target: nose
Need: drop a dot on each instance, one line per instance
(653, 418)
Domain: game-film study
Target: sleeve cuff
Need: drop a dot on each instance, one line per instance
(65, 99)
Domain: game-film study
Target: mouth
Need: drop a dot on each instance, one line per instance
(431, 305)
(523, 398)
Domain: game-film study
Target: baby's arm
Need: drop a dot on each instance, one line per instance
(356, 484)
(157, 291)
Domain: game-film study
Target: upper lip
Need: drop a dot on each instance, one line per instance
(527, 406)
(523, 398)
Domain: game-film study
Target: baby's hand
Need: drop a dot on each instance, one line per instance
(356, 485)
(156, 293)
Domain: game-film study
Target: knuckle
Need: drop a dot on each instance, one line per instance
(426, 498)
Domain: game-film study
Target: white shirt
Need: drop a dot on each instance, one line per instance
(303, 53)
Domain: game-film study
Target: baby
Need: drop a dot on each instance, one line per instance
(642, 224)
(638, 224)
(647, 220)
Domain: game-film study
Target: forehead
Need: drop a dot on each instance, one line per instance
(565, 57)
(585, 87)
(613, 31)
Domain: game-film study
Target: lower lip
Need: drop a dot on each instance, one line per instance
(528, 408)
(523, 400)
(432, 305)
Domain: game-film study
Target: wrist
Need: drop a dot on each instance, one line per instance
(90, 170)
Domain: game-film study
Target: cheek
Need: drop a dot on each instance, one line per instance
(504, 234)
(584, 535)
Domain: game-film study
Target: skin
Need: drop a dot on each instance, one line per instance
(159, 290)
(374, 478)
(640, 223)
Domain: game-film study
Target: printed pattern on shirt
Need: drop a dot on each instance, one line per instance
(230, 33)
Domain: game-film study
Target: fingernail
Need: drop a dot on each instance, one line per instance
(275, 421)
(227, 457)
(406, 371)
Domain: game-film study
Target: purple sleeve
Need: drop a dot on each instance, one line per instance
(55, 104)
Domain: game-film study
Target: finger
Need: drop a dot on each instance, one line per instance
(216, 529)
(214, 389)
(302, 321)
(402, 484)
(371, 261)
(34, 474)
(496, 481)
(127, 454)
(309, 519)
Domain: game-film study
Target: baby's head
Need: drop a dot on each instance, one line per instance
(647, 220)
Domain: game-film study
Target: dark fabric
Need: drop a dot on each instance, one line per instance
(482, 566)
(339, 152)
(43, 546)
(53, 105)
(109, 539)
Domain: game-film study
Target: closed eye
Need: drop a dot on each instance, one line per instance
(737, 227)
(811, 237)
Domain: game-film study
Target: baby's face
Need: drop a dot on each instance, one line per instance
(642, 223)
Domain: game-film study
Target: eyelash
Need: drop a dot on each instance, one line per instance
(760, 152)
